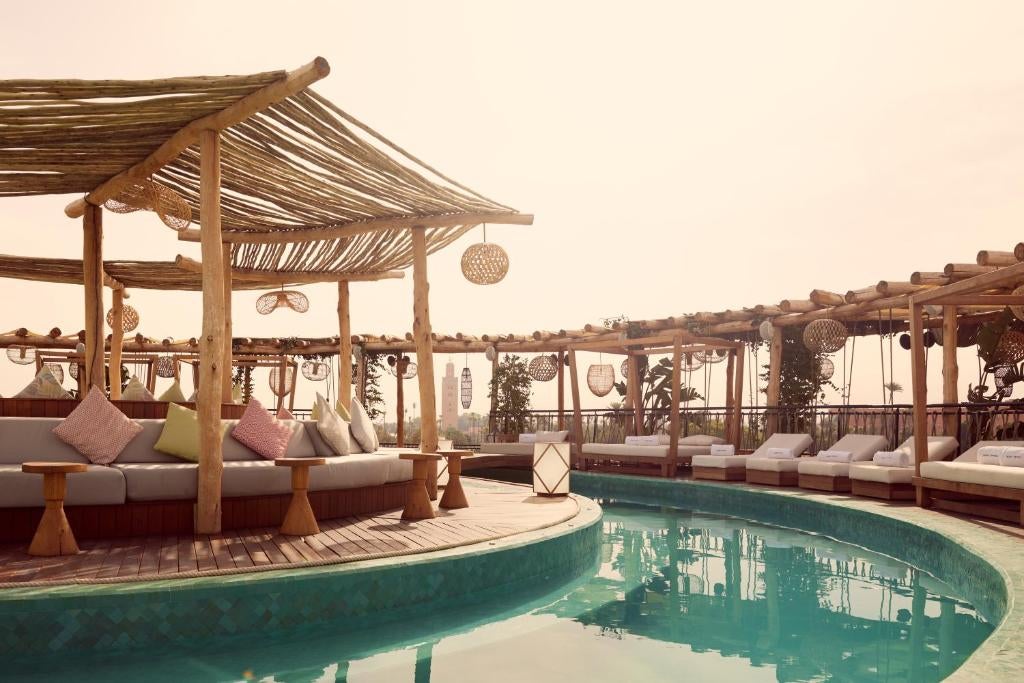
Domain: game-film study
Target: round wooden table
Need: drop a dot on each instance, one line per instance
(299, 520)
(53, 535)
(454, 497)
(417, 499)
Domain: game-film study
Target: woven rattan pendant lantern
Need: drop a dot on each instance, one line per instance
(691, 362)
(1010, 349)
(165, 367)
(315, 371)
(73, 370)
(544, 368)
(484, 263)
(141, 194)
(467, 388)
(825, 336)
(826, 368)
(129, 318)
(766, 330)
(601, 379)
(21, 355)
(709, 356)
(275, 377)
(410, 367)
(491, 353)
(56, 370)
(282, 298)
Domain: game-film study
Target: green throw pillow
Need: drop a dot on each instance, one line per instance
(173, 394)
(180, 436)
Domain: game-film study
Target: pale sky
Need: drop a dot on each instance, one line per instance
(678, 156)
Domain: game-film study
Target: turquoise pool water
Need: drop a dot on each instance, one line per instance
(675, 595)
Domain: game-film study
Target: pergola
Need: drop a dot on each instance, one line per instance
(286, 187)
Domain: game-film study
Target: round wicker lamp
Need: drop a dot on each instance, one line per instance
(133, 195)
(165, 367)
(484, 263)
(491, 353)
(56, 370)
(172, 209)
(142, 194)
(129, 318)
(711, 355)
(1010, 349)
(999, 375)
(543, 368)
(275, 375)
(410, 367)
(21, 355)
(691, 362)
(315, 371)
(467, 388)
(283, 298)
(1018, 311)
(826, 368)
(766, 330)
(73, 370)
(600, 379)
(825, 336)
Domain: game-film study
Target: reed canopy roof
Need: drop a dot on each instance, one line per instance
(305, 186)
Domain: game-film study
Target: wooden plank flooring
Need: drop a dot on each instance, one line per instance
(496, 510)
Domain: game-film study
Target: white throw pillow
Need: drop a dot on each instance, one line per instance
(642, 441)
(135, 390)
(332, 428)
(362, 428)
(44, 385)
(552, 437)
(527, 438)
(700, 440)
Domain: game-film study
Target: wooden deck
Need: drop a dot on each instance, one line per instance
(496, 510)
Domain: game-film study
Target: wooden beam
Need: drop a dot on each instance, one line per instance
(1003, 277)
(634, 390)
(996, 258)
(492, 426)
(890, 289)
(577, 413)
(950, 371)
(346, 230)
(824, 298)
(211, 349)
(92, 274)
(926, 278)
(344, 347)
(674, 422)
(400, 368)
(774, 381)
(116, 342)
(979, 300)
(919, 392)
(737, 418)
(730, 368)
(965, 270)
(226, 375)
(798, 306)
(285, 277)
(424, 355)
(293, 82)
(361, 386)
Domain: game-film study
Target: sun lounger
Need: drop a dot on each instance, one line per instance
(734, 467)
(640, 459)
(967, 486)
(763, 468)
(821, 474)
(896, 483)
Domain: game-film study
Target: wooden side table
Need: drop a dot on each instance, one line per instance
(454, 497)
(299, 520)
(417, 499)
(53, 535)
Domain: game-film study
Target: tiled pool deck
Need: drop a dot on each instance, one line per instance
(984, 560)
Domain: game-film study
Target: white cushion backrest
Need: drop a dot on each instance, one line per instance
(939, 447)
(971, 454)
(862, 447)
(798, 443)
(552, 437)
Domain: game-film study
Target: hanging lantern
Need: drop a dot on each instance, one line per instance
(484, 263)
(80, 348)
(165, 367)
(691, 362)
(766, 330)
(56, 370)
(315, 371)
(905, 341)
(600, 379)
(172, 208)
(357, 352)
(467, 388)
(928, 338)
(491, 353)
(142, 194)
(825, 336)
(275, 377)
(410, 367)
(826, 368)
(73, 370)
(283, 298)
(709, 356)
(1018, 311)
(543, 368)
(21, 355)
(1010, 349)
(641, 363)
(966, 336)
(129, 318)
(999, 374)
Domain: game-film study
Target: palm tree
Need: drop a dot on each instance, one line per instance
(892, 388)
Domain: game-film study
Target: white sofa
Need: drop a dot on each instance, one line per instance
(756, 467)
(824, 475)
(637, 456)
(968, 478)
(896, 483)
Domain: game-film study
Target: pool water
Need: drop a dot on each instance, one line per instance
(675, 595)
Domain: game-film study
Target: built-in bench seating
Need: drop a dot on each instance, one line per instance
(156, 492)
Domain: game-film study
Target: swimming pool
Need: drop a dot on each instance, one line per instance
(674, 594)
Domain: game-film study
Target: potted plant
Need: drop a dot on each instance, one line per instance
(510, 393)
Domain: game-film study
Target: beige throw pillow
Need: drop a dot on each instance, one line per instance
(332, 428)
(362, 428)
(45, 385)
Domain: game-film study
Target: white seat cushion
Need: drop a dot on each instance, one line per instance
(621, 449)
(159, 481)
(98, 485)
(823, 468)
(773, 464)
(507, 448)
(798, 443)
(975, 473)
(866, 471)
(861, 446)
(738, 462)
(939, 447)
(971, 454)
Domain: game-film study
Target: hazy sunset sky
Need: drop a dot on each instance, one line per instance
(678, 156)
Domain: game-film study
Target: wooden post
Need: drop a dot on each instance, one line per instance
(919, 382)
(361, 387)
(92, 274)
(492, 416)
(633, 390)
(424, 354)
(344, 347)
(730, 369)
(561, 390)
(211, 344)
(737, 417)
(774, 382)
(282, 381)
(674, 426)
(116, 344)
(950, 371)
(226, 384)
(400, 402)
(577, 415)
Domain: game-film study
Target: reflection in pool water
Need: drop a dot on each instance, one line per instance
(676, 595)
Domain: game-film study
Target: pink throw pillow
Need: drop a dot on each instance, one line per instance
(262, 432)
(283, 414)
(97, 429)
